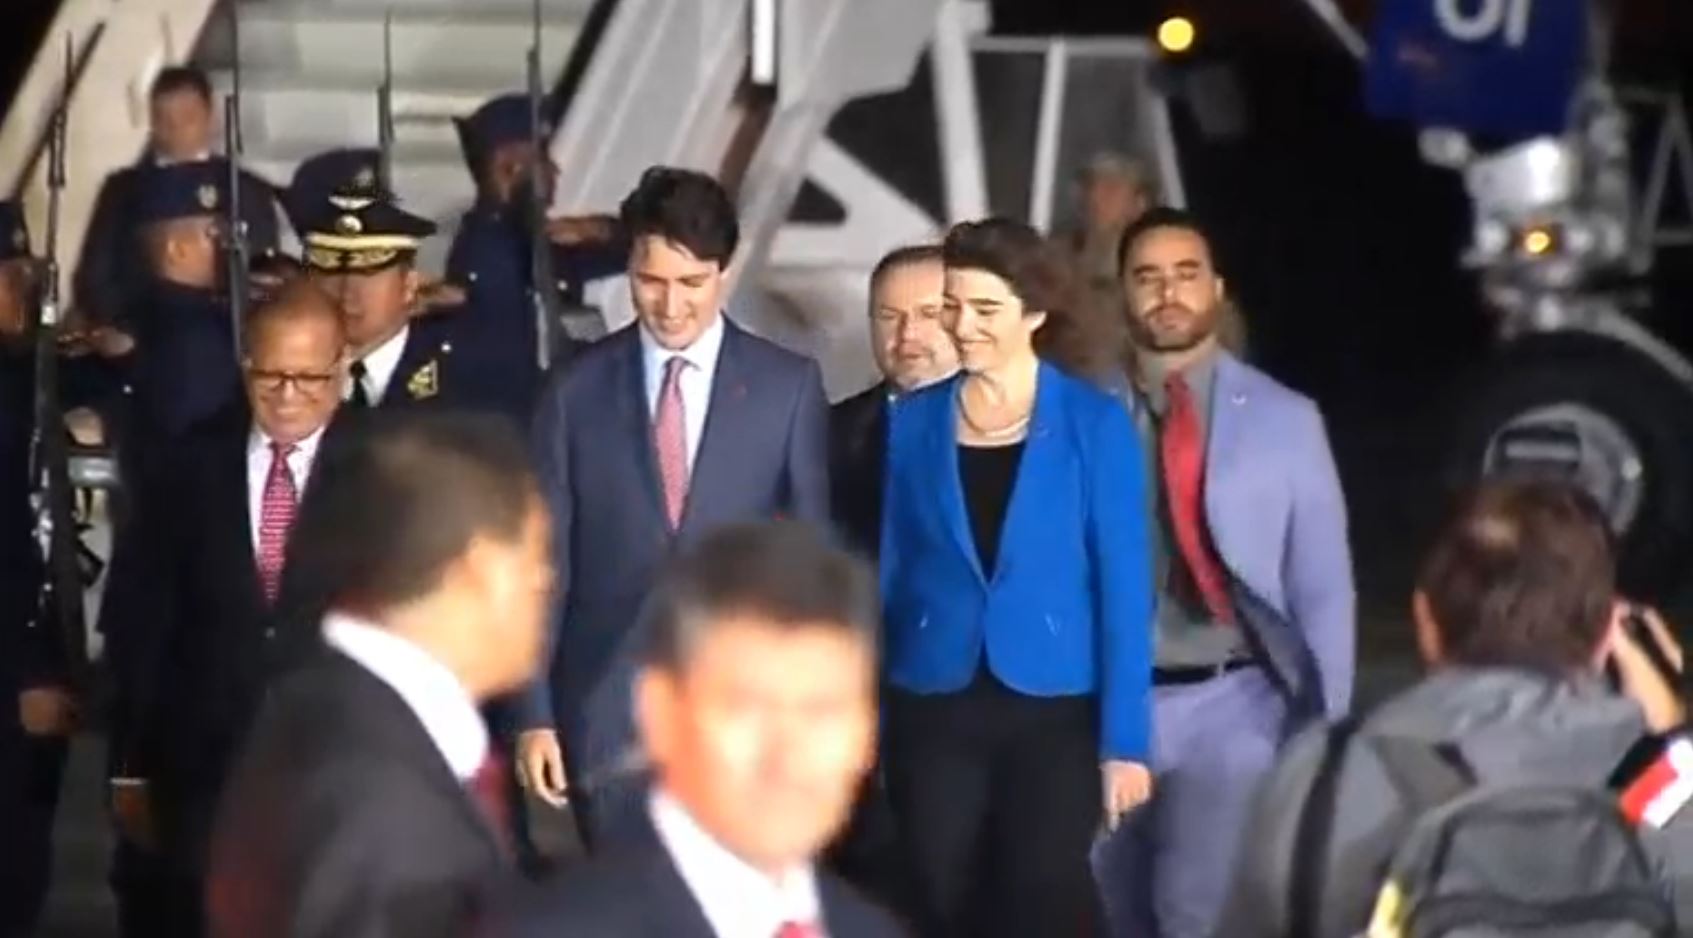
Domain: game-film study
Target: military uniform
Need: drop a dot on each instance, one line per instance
(350, 224)
(31, 654)
(499, 337)
(111, 268)
(186, 368)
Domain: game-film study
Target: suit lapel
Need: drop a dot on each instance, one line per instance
(1037, 463)
(675, 911)
(725, 413)
(239, 509)
(636, 418)
(1228, 412)
(398, 726)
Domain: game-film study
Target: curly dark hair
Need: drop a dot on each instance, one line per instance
(1040, 274)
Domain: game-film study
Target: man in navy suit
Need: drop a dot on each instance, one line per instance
(1255, 605)
(654, 436)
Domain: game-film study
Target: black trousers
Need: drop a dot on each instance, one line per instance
(31, 770)
(997, 798)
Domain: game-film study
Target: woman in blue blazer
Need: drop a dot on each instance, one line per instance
(1016, 589)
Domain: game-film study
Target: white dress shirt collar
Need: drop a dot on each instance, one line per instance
(380, 365)
(258, 471)
(696, 380)
(159, 159)
(702, 355)
(432, 692)
(258, 444)
(738, 900)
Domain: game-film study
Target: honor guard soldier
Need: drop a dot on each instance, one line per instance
(360, 248)
(185, 361)
(181, 127)
(492, 253)
(38, 712)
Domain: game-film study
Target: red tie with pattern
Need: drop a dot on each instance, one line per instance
(670, 437)
(488, 789)
(276, 516)
(1182, 451)
(798, 930)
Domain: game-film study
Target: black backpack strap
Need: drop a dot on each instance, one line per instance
(1309, 862)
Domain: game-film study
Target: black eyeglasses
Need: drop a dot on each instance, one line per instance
(305, 382)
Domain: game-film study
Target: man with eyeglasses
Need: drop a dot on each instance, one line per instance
(205, 623)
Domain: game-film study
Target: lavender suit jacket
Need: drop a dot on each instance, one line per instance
(1277, 515)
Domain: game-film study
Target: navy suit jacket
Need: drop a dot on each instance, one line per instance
(763, 454)
(1068, 609)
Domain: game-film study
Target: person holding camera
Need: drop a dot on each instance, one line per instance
(1541, 771)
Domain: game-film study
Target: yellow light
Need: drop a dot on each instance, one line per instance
(1176, 34)
(1537, 241)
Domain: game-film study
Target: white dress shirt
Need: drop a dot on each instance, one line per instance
(695, 380)
(379, 367)
(433, 693)
(159, 159)
(739, 901)
(258, 471)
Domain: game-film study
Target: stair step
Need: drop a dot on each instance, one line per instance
(484, 47)
(320, 118)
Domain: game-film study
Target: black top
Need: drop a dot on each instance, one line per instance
(987, 474)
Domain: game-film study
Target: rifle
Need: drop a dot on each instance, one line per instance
(238, 263)
(385, 108)
(543, 281)
(51, 497)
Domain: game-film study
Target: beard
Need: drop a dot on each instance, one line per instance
(1172, 327)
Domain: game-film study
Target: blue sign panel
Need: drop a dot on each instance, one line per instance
(1504, 68)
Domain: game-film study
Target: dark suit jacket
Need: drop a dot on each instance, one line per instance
(342, 820)
(639, 893)
(858, 451)
(193, 639)
(764, 455)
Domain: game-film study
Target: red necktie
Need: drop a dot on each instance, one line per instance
(488, 789)
(798, 930)
(670, 437)
(1182, 450)
(276, 516)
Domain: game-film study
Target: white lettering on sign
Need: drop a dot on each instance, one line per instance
(1487, 19)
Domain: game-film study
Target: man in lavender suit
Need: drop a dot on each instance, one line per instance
(1255, 603)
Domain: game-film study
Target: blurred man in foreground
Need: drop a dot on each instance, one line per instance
(757, 704)
(366, 803)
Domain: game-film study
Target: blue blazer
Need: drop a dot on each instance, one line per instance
(1068, 609)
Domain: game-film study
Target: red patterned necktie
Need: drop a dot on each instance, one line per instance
(1182, 451)
(670, 437)
(276, 516)
(798, 930)
(488, 789)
